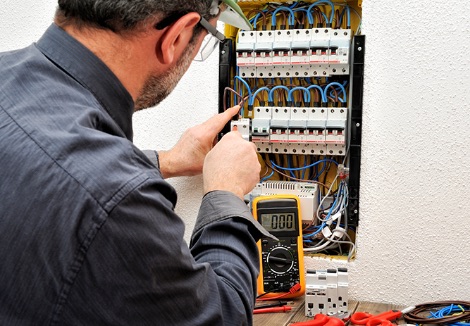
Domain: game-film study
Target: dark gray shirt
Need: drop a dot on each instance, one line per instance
(88, 232)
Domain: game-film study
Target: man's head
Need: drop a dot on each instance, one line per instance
(149, 44)
(122, 16)
(135, 21)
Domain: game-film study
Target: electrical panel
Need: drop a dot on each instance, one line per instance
(298, 76)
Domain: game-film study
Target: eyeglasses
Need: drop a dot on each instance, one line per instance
(210, 42)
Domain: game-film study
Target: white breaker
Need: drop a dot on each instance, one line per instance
(316, 52)
(307, 193)
(327, 292)
(300, 130)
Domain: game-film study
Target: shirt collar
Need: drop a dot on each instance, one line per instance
(92, 73)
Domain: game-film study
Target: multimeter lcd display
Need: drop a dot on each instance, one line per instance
(278, 222)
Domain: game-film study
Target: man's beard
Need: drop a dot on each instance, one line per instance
(157, 88)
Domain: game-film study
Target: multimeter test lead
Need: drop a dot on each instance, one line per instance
(269, 305)
(272, 309)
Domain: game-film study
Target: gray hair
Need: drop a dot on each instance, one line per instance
(126, 15)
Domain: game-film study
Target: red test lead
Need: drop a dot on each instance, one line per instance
(273, 309)
(321, 320)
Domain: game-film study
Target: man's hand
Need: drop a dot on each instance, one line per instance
(186, 158)
(232, 165)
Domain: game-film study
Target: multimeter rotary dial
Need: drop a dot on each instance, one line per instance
(280, 260)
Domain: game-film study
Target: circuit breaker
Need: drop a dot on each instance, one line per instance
(298, 75)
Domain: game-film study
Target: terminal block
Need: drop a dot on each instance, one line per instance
(307, 193)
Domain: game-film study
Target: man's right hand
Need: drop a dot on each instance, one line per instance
(232, 165)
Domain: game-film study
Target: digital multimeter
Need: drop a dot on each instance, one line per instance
(281, 261)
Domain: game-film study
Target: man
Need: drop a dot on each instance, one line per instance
(88, 233)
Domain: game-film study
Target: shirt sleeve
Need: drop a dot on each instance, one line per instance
(152, 156)
(139, 270)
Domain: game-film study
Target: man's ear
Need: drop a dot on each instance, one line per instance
(176, 38)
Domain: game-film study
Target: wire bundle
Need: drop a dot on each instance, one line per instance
(455, 313)
(300, 14)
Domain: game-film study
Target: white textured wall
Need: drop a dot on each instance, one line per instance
(414, 234)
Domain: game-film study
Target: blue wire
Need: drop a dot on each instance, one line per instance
(349, 16)
(320, 172)
(340, 86)
(447, 311)
(268, 177)
(291, 15)
(325, 2)
(304, 171)
(289, 160)
(255, 20)
(237, 70)
(309, 15)
(245, 83)
(293, 5)
(271, 92)
(304, 167)
(251, 99)
(326, 219)
(323, 96)
(306, 93)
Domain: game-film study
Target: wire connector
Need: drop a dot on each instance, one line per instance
(343, 172)
(295, 288)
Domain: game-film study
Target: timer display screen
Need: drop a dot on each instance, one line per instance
(278, 221)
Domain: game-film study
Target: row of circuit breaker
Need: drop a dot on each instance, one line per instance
(326, 292)
(317, 52)
(304, 131)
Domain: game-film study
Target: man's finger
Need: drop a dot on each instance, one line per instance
(217, 122)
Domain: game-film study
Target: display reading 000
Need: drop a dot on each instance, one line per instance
(278, 221)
